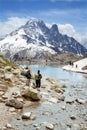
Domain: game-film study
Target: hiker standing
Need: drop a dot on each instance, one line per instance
(38, 79)
(28, 76)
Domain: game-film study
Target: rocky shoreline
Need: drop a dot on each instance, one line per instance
(53, 107)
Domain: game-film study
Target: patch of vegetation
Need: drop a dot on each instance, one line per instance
(5, 62)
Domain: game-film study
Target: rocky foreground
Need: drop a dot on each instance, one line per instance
(26, 108)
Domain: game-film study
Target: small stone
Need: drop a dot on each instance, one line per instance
(4, 128)
(73, 117)
(53, 100)
(38, 128)
(33, 117)
(8, 125)
(20, 99)
(35, 125)
(5, 97)
(12, 109)
(1, 93)
(26, 115)
(61, 97)
(18, 118)
(63, 108)
(81, 101)
(70, 102)
(50, 126)
(75, 127)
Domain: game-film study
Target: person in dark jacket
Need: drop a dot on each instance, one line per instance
(38, 78)
(28, 76)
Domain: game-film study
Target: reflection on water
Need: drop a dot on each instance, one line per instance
(59, 73)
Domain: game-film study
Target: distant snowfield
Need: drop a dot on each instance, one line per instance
(77, 66)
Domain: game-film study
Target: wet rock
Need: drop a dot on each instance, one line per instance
(63, 108)
(26, 115)
(49, 126)
(14, 103)
(70, 101)
(73, 117)
(81, 101)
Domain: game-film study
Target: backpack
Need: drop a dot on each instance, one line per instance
(27, 75)
(38, 77)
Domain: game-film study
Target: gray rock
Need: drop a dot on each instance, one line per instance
(81, 101)
(8, 125)
(73, 117)
(32, 93)
(70, 101)
(26, 115)
(49, 126)
(63, 108)
(14, 103)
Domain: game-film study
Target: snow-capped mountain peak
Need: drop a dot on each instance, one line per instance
(35, 39)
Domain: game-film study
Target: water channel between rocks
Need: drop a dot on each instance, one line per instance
(76, 88)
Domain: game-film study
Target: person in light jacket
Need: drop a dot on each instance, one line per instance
(38, 78)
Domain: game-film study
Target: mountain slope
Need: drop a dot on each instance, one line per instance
(35, 39)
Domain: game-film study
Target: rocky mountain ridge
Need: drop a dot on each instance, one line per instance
(35, 40)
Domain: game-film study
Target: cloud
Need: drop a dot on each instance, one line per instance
(67, 29)
(11, 24)
(70, 31)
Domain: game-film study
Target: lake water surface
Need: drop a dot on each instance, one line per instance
(57, 72)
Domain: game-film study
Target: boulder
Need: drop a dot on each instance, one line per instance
(14, 103)
(32, 93)
(8, 77)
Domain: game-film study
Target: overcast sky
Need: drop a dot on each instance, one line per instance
(70, 15)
